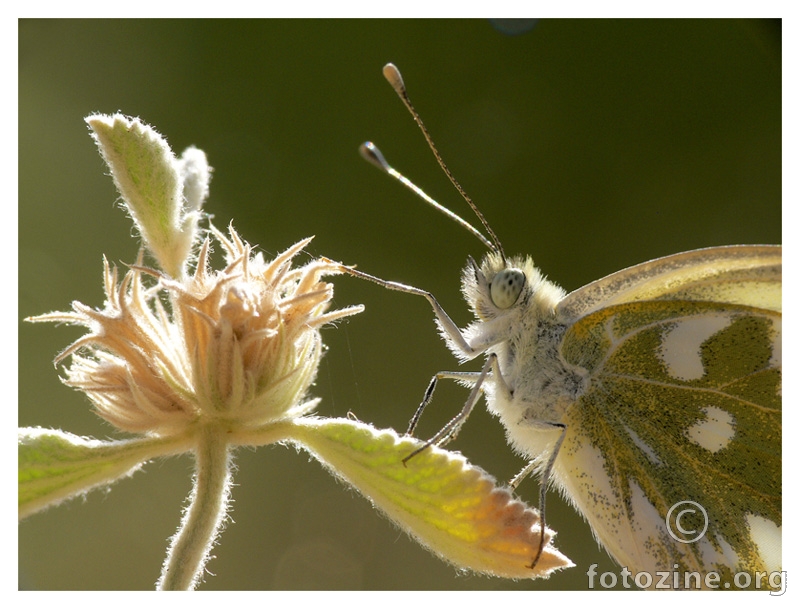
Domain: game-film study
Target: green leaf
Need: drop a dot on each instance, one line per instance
(55, 465)
(150, 180)
(448, 505)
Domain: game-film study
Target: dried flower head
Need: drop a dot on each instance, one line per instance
(240, 345)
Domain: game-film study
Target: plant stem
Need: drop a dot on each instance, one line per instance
(208, 503)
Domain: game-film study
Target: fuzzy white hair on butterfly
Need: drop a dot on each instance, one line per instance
(657, 385)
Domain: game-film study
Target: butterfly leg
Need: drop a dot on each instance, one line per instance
(545, 480)
(470, 377)
(456, 340)
(526, 471)
(451, 429)
(446, 324)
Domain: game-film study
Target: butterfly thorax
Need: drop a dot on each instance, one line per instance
(526, 338)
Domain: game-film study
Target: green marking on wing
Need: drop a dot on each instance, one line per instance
(635, 399)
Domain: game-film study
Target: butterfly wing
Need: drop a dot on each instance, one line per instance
(683, 404)
(736, 274)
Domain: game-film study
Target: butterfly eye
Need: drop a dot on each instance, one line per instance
(506, 287)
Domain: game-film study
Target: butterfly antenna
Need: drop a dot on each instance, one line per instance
(372, 154)
(392, 74)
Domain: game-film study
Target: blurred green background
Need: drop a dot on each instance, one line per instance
(591, 145)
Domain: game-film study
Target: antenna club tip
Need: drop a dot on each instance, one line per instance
(392, 74)
(371, 153)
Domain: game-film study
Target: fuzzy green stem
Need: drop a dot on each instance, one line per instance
(208, 502)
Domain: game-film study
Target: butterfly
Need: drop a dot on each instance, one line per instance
(650, 398)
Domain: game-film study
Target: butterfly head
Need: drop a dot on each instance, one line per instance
(499, 286)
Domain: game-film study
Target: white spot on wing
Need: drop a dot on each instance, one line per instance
(715, 431)
(649, 529)
(716, 555)
(649, 452)
(776, 358)
(767, 536)
(727, 556)
(680, 346)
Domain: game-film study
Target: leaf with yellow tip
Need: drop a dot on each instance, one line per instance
(450, 506)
